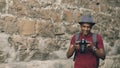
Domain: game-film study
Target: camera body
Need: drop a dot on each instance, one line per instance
(83, 44)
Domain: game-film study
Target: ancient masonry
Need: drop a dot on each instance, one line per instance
(36, 33)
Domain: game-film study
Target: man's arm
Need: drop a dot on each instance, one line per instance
(100, 53)
(70, 51)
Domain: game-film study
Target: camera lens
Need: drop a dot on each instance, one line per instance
(82, 46)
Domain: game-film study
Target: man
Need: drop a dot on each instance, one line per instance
(90, 58)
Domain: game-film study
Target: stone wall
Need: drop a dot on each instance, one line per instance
(41, 30)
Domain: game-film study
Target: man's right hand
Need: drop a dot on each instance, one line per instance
(72, 49)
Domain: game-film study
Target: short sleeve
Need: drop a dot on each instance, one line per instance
(72, 40)
(100, 42)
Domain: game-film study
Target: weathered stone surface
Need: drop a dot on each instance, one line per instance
(45, 29)
(2, 6)
(113, 2)
(41, 30)
(26, 26)
(109, 62)
(42, 64)
(68, 15)
(9, 24)
(4, 47)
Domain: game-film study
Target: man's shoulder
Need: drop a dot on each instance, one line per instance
(97, 34)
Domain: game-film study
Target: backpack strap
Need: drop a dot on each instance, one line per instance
(94, 37)
(77, 35)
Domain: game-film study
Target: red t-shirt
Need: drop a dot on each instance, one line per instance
(87, 60)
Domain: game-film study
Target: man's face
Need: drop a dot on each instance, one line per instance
(85, 28)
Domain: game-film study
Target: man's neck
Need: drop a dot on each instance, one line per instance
(86, 34)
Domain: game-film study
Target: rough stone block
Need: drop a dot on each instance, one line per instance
(26, 26)
(68, 16)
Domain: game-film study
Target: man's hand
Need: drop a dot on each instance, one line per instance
(99, 52)
(72, 49)
(90, 46)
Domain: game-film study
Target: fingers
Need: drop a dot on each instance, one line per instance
(90, 44)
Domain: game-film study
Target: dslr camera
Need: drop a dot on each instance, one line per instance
(83, 44)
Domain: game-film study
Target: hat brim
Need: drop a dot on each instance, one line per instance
(91, 23)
